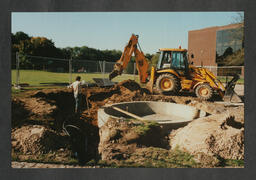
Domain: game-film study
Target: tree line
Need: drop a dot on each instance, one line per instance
(28, 46)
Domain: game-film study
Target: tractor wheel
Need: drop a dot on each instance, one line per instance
(167, 84)
(204, 91)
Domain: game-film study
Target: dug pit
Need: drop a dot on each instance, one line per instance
(118, 139)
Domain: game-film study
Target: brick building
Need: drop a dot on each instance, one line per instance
(210, 45)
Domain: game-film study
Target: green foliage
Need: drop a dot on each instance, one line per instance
(28, 46)
(234, 162)
(41, 46)
(145, 127)
(19, 37)
(154, 59)
(149, 56)
(231, 163)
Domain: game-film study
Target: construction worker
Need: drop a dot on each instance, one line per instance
(76, 87)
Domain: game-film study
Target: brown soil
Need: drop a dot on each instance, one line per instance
(48, 109)
(120, 139)
(36, 139)
(217, 135)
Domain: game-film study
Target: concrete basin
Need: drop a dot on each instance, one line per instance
(168, 115)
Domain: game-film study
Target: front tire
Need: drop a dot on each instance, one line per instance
(168, 84)
(204, 91)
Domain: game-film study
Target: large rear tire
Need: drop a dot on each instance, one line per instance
(204, 91)
(168, 84)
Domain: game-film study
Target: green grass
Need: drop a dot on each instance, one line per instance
(145, 127)
(223, 79)
(231, 163)
(42, 158)
(35, 78)
(154, 158)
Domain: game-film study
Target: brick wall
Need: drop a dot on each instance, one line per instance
(202, 43)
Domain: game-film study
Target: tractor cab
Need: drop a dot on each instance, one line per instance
(175, 59)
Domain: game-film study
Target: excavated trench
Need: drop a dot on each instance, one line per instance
(102, 132)
(51, 112)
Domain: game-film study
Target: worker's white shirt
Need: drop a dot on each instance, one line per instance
(76, 87)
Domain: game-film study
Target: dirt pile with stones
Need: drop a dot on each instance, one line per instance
(219, 135)
(36, 139)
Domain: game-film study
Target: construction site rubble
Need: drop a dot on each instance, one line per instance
(38, 117)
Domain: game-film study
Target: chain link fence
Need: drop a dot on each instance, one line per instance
(226, 70)
(46, 71)
(225, 73)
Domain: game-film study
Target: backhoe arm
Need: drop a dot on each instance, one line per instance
(122, 63)
(142, 65)
(141, 62)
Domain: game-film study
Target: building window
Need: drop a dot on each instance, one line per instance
(229, 47)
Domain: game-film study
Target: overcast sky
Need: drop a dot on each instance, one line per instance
(112, 30)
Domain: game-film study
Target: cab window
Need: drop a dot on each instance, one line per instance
(178, 60)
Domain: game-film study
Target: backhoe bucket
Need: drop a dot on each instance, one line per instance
(230, 95)
(103, 82)
(113, 74)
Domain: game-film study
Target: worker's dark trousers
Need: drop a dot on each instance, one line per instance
(77, 103)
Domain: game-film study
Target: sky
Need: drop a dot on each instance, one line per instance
(112, 30)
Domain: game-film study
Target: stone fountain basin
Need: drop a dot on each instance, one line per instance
(167, 114)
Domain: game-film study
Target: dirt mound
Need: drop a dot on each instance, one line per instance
(120, 138)
(35, 139)
(216, 135)
(39, 107)
(120, 92)
(127, 90)
(209, 107)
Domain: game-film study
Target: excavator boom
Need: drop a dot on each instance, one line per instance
(141, 61)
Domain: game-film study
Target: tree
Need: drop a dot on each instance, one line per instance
(235, 56)
(149, 56)
(239, 34)
(154, 59)
(239, 18)
(19, 36)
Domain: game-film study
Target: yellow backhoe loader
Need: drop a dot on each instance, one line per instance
(173, 73)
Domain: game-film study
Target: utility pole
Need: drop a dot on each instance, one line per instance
(70, 70)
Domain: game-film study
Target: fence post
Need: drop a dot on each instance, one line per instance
(17, 70)
(104, 70)
(70, 71)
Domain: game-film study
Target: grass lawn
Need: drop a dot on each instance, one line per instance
(38, 78)
(223, 79)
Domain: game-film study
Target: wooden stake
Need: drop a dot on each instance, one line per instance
(127, 113)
